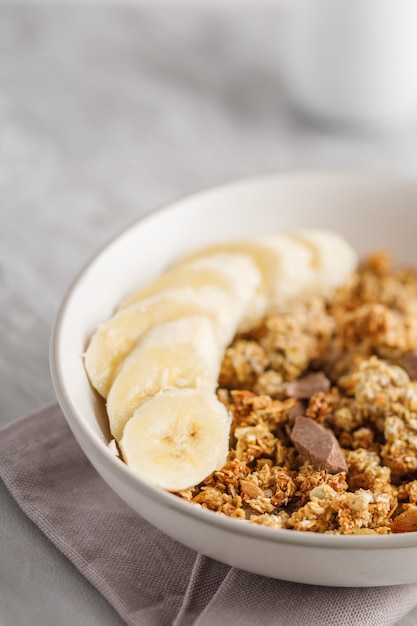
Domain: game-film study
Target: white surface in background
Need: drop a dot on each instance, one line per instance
(353, 61)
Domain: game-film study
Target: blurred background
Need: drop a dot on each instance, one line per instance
(108, 110)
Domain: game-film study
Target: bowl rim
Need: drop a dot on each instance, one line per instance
(165, 498)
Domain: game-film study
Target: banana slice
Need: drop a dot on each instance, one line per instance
(291, 276)
(180, 353)
(294, 265)
(177, 438)
(115, 339)
(237, 274)
(333, 258)
(286, 267)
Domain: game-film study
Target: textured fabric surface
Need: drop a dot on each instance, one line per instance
(150, 579)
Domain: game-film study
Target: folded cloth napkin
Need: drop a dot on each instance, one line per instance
(150, 579)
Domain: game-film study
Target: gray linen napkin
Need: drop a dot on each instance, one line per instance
(150, 579)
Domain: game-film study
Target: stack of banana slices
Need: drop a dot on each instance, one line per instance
(157, 360)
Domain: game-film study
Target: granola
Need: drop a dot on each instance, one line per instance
(346, 363)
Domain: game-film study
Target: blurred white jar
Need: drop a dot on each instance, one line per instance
(353, 62)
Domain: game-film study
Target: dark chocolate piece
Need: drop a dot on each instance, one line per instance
(299, 408)
(307, 386)
(318, 445)
(409, 362)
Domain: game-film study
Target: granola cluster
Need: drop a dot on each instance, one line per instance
(349, 364)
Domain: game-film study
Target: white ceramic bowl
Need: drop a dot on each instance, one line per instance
(371, 211)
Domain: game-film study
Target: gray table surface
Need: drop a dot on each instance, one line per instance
(107, 112)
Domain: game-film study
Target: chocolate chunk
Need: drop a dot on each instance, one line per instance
(409, 362)
(318, 445)
(307, 386)
(299, 408)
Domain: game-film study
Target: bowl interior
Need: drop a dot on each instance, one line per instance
(371, 211)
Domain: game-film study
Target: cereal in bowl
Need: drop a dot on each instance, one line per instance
(271, 380)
